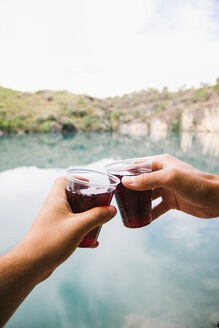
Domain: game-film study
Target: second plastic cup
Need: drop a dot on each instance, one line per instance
(87, 189)
(134, 206)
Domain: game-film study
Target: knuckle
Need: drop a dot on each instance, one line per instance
(141, 181)
(164, 155)
(171, 175)
(59, 179)
(167, 156)
(143, 178)
(165, 159)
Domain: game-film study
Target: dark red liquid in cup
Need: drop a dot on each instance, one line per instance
(134, 206)
(81, 202)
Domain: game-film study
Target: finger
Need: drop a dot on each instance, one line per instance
(59, 188)
(80, 178)
(156, 161)
(159, 209)
(93, 218)
(166, 160)
(146, 181)
(58, 194)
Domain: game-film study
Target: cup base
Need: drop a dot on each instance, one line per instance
(136, 226)
(91, 245)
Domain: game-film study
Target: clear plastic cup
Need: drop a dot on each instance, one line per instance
(134, 206)
(87, 189)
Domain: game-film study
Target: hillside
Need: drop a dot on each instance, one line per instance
(56, 111)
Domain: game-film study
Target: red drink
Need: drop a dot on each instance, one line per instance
(134, 206)
(87, 189)
(80, 202)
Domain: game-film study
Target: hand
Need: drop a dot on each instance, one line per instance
(180, 186)
(53, 237)
(57, 232)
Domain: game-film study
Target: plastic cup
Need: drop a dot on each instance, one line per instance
(134, 206)
(87, 189)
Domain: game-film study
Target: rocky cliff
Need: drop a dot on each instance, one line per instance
(138, 113)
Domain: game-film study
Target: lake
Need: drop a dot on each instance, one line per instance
(163, 275)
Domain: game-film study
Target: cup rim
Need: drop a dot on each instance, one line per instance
(76, 170)
(114, 165)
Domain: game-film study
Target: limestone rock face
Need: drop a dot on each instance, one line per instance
(204, 118)
(158, 128)
(187, 119)
(211, 121)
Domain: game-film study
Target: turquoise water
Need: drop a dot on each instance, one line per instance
(163, 275)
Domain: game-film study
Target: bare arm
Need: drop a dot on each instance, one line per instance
(53, 237)
(180, 186)
(17, 279)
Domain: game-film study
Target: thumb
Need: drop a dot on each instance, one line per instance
(94, 218)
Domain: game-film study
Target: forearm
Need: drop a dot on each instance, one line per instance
(18, 276)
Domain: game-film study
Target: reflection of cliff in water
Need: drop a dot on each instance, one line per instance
(204, 144)
(57, 150)
(207, 142)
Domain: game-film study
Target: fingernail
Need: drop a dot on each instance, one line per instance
(112, 210)
(129, 180)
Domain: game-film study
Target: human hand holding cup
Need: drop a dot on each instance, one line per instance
(87, 189)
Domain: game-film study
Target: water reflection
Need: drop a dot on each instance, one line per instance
(165, 275)
(139, 321)
(210, 142)
(186, 141)
(57, 150)
(206, 142)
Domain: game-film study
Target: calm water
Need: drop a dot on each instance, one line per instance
(164, 275)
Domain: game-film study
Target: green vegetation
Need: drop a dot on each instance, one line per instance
(216, 87)
(176, 126)
(46, 111)
(57, 111)
(201, 94)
